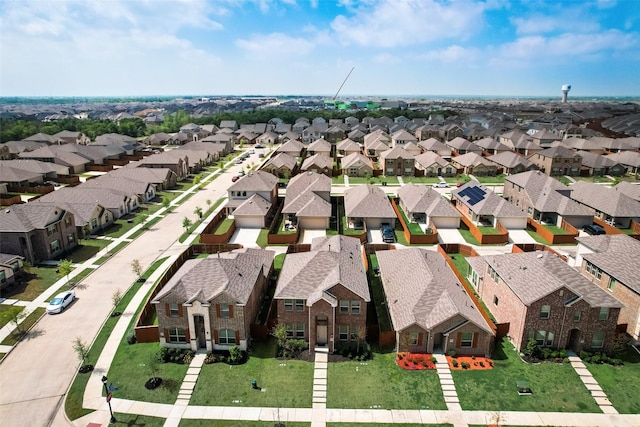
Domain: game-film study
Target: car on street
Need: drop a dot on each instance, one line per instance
(441, 184)
(60, 302)
(388, 236)
(234, 178)
(259, 146)
(593, 229)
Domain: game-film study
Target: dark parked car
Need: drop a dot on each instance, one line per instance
(593, 229)
(388, 236)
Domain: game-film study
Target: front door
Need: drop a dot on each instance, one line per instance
(574, 337)
(321, 330)
(198, 322)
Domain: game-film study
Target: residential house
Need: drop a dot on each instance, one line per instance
(307, 202)
(337, 132)
(474, 164)
(491, 146)
(545, 199)
(42, 137)
(544, 138)
(424, 205)
(604, 202)
(397, 162)
(173, 160)
(71, 137)
(541, 297)
(292, 147)
(357, 135)
(630, 159)
(89, 217)
(10, 267)
(281, 165)
(375, 143)
(460, 146)
(450, 131)
(228, 124)
(37, 231)
(252, 198)
(611, 262)
(17, 147)
(320, 146)
(511, 163)
(485, 208)
(315, 131)
(225, 141)
(356, 164)
(55, 154)
(322, 295)
(594, 164)
(19, 177)
(426, 132)
(433, 165)
(403, 137)
(118, 202)
(368, 204)
(629, 188)
(436, 146)
(144, 191)
(268, 138)
(558, 160)
(210, 303)
(318, 163)
(347, 146)
(162, 178)
(435, 313)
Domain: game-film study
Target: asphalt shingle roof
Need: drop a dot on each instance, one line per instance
(367, 201)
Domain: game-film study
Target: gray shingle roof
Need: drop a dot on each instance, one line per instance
(281, 160)
(29, 216)
(491, 204)
(605, 199)
(509, 159)
(254, 205)
(435, 295)
(354, 159)
(332, 260)
(255, 181)
(319, 160)
(616, 254)
(533, 275)
(367, 201)
(420, 198)
(397, 152)
(428, 158)
(302, 196)
(630, 189)
(232, 273)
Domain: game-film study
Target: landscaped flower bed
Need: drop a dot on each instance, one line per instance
(469, 363)
(415, 361)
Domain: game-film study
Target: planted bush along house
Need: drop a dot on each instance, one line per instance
(210, 303)
(540, 296)
(322, 295)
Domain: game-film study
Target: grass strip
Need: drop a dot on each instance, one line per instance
(25, 325)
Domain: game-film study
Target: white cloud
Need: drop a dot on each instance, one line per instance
(454, 53)
(274, 45)
(554, 20)
(390, 23)
(385, 58)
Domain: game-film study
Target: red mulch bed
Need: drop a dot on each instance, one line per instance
(474, 363)
(414, 361)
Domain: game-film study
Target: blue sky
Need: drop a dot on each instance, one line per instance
(270, 47)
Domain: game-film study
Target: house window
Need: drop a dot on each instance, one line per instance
(540, 336)
(550, 336)
(545, 311)
(295, 330)
(71, 238)
(344, 307)
(593, 270)
(495, 300)
(597, 340)
(612, 283)
(299, 305)
(177, 335)
(343, 333)
(94, 223)
(413, 338)
(299, 330)
(389, 170)
(355, 307)
(577, 315)
(493, 274)
(288, 305)
(174, 310)
(51, 229)
(227, 336)
(604, 313)
(3, 276)
(466, 339)
(67, 221)
(54, 246)
(224, 311)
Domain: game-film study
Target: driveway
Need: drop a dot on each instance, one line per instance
(374, 236)
(306, 236)
(450, 235)
(246, 237)
(520, 236)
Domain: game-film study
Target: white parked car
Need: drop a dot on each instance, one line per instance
(60, 302)
(441, 184)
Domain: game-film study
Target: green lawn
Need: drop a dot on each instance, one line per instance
(488, 230)
(337, 179)
(556, 387)
(421, 179)
(132, 367)
(555, 229)
(86, 249)
(467, 236)
(413, 227)
(39, 280)
(377, 295)
(381, 383)
(491, 179)
(73, 402)
(461, 264)
(224, 226)
(69, 285)
(7, 312)
(29, 321)
(284, 383)
(620, 384)
(235, 423)
(281, 229)
(538, 238)
(384, 425)
(262, 238)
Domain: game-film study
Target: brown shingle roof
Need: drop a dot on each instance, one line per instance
(367, 201)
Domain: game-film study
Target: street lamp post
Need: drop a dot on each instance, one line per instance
(112, 420)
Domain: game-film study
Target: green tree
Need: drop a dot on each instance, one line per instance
(16, 316)
(166, 202)
(198, 211)
(280, 333)
(186, 223)
(65, 268)
(197, 179)
(82, 350)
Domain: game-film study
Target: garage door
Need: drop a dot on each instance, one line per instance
(249, 221)
(313, 223)
(514, 222)
(445, 222)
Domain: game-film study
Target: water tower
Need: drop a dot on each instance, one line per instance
(565, 92)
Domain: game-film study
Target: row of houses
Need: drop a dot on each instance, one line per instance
(322, 295)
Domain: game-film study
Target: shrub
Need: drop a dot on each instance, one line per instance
(482, 364)
(434, 360)
(424, 363)
(400, 356)
(465, 365)
(235, 354)
(473, 358)
(451, 353)
(406, 363)
(131, 339)
(454, 362)
(174, 355)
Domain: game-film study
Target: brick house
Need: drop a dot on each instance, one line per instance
(397, 162)
(356, 164)
(540, 296)
(37, 231)
(370, 205)
(434, 312)
(210, 303)
(252, 198)
(322, 295)
(557, 160)
(10, 266)
(307, 202)
(611, 262)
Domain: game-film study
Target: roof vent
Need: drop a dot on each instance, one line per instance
(539, 256)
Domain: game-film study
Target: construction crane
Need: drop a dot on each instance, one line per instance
(345, 80)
